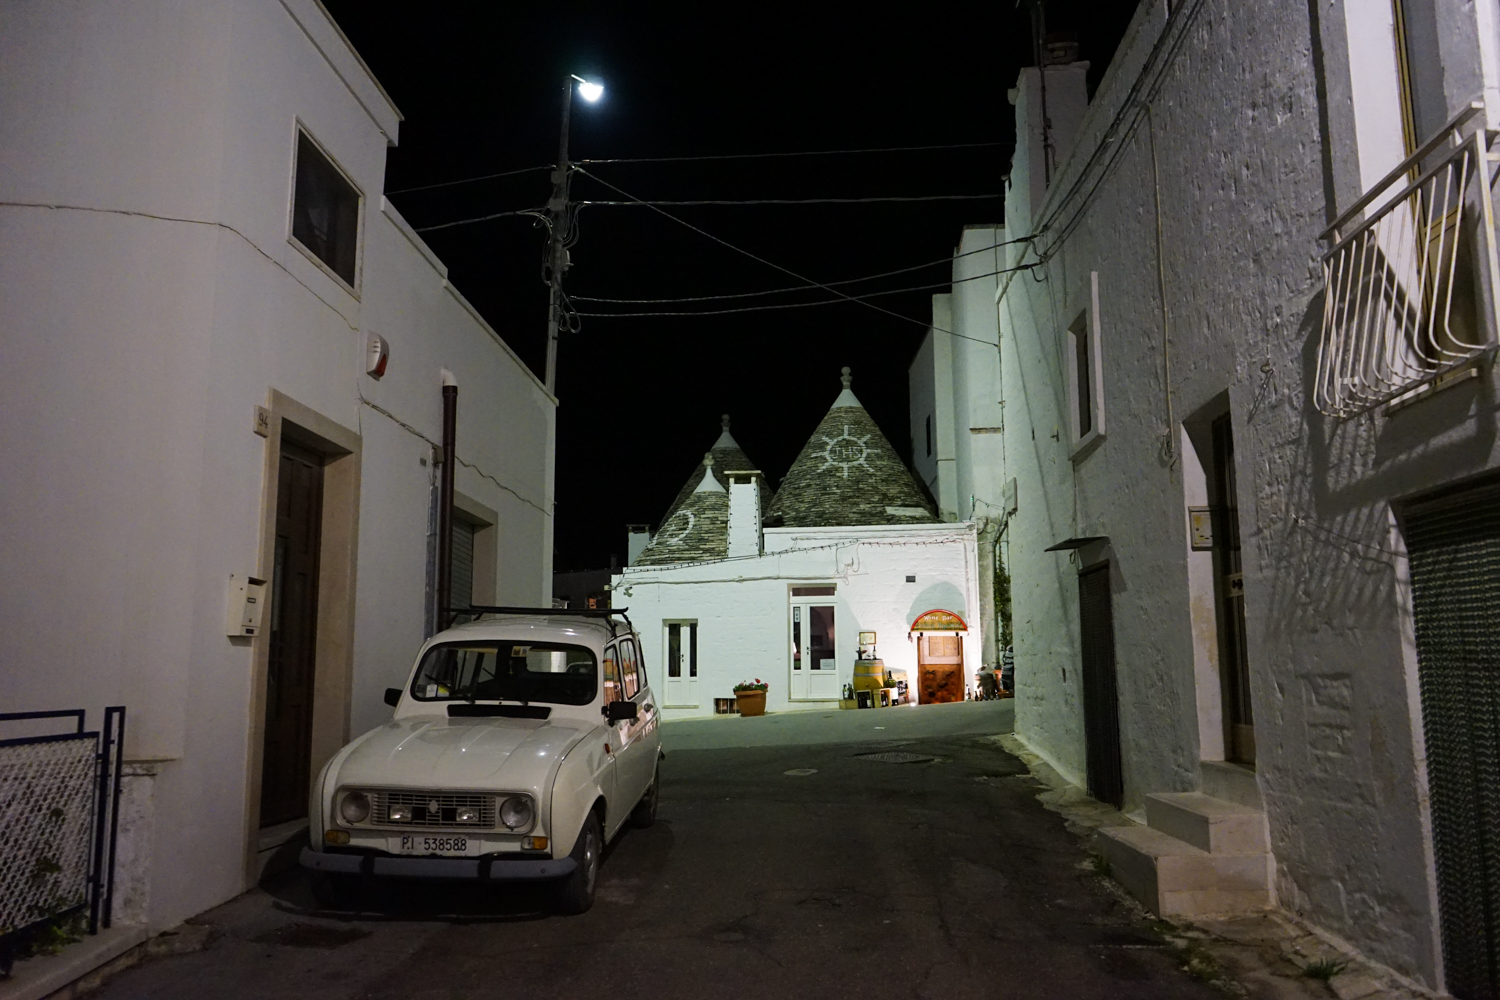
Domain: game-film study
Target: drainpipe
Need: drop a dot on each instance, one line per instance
(445, 499)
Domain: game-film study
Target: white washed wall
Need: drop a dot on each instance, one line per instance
(742, 605)
(1245, 159)
(152, 300)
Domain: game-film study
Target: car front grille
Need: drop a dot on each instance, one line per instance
(432, 809)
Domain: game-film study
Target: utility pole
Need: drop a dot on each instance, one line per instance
(561, 216)
(559, 222)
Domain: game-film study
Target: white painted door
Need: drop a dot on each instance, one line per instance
(814, 660)
(680, 640)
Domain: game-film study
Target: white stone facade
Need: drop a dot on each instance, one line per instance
(1179, 232)
(957, 417)
(153, 300)
(742, 606)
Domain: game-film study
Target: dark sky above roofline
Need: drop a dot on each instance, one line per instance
(480, 87)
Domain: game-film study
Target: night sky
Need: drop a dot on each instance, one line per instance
(480, 88)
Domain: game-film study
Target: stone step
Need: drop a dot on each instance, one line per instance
(1231, 782)
(1175, 879)
(1207, 823)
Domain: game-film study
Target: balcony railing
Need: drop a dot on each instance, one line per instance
(1411, 277)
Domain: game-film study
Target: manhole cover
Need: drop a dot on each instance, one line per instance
(894, 757)
(801, 772)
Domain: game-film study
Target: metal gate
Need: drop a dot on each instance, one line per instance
(59, 809)
(1453, 542)
(1101, 713)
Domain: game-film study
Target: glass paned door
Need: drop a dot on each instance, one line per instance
(682, 664)
(814, 658)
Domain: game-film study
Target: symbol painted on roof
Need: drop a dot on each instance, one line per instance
(662, 538)
(846, 451)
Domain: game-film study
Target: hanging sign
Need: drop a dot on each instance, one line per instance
(938, 620)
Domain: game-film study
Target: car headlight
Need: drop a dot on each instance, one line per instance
(515, 812)
(400, 814)
(355, 808)
(467, 815)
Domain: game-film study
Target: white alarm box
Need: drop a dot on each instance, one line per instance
(247, 602)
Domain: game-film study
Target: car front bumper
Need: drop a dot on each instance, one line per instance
(476, 869)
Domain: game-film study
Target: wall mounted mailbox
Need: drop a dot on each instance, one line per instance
(1201, 528)
(246, 603)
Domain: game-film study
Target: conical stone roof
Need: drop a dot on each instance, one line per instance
(727, 458)
(697, 529)
(848, 474)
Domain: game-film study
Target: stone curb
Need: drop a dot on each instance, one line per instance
(83, 967)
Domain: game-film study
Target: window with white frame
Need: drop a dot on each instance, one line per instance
(1085, 376)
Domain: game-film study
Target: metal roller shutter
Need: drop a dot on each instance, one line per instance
(462, 595)
(1453, 542)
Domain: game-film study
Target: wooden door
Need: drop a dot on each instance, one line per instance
(1101, 708)
(1234, 658)
(940, 668)
(286, 762)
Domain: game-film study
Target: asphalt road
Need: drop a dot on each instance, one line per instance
(939, 878)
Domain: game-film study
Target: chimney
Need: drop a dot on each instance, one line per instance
(1049, 110)
(636, 541)
(744, 514)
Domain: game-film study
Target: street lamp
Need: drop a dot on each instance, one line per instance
(560, 220)
(588, 90)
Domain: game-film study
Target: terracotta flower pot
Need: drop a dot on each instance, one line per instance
(751, 702)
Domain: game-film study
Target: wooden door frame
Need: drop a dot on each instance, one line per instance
(333, 655)
(963, 661)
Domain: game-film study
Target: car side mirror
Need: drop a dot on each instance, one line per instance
(618, 710)
(393, 696)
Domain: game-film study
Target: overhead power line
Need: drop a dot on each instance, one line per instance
(784, 270)
(789, 305)
(687, 159)
(810, 152)
(755, 257)
(803, 288)
(728, 201)
(805, 201)
(481, 218)
(469, 180)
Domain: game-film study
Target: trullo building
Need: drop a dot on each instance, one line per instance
(738, 584)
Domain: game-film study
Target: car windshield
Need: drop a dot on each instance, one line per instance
(507, 671)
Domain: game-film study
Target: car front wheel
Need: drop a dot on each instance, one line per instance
(576, 893)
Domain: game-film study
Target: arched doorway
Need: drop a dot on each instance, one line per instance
(940, 656)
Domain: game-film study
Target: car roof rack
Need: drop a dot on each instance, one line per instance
(604, 613)
(580, 612)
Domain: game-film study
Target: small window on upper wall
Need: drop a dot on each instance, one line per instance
(929, 434)
(325, 210)
(1085, 378)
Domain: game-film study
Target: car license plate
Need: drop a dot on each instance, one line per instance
(414, 844)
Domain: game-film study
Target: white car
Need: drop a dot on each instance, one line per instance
(522, 743)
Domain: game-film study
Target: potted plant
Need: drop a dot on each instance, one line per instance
(750, 697)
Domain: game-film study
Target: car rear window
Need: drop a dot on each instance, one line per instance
(506, 671)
